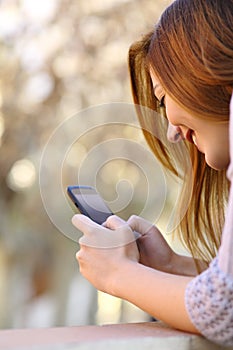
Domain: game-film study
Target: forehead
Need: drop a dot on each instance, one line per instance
(157, 87)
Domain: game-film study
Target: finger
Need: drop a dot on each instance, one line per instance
(84, 224)
(113, 222)
(140, 225)
(97, 236)
(78, 255)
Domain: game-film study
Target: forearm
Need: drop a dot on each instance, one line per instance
(158, 293)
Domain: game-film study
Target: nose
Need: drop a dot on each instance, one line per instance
(174, 133)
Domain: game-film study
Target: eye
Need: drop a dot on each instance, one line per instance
(162, 102)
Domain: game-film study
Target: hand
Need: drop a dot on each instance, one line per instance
(153, 249)
(105, 251)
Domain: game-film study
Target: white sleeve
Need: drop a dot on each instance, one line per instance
(209, 296)
(209, 303)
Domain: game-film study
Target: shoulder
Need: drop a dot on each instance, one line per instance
(230, 168)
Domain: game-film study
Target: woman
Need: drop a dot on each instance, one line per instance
(183, 70)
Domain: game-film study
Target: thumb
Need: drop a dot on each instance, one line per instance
(141, 225)
(113, 222)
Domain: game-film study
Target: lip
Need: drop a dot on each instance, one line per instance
(188, 136)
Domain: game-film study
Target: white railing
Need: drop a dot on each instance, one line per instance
(131, 336)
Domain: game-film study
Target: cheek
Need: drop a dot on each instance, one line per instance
(172, 120)
(173, 112)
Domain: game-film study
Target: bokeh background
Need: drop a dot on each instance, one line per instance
(57, 57)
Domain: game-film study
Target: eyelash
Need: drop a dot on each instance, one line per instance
(162, 102)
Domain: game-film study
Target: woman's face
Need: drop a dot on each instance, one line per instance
(210, 137)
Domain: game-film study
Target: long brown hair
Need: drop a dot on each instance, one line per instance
(191, 51)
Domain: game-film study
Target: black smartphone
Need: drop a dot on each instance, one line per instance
(89, 202)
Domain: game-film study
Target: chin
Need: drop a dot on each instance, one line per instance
(219, 165)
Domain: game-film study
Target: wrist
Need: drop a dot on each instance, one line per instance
(121, 277)
(184, 265)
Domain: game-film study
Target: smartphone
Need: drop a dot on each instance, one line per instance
(89, 202)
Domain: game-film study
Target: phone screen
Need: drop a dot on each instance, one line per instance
(89, 203)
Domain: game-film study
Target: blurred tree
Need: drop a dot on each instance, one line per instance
(56, 58)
